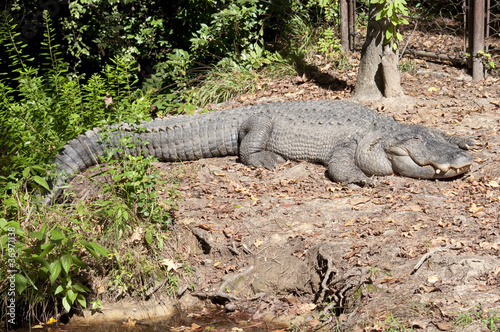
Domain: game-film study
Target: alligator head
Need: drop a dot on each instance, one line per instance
(413, 151)
(425, 153)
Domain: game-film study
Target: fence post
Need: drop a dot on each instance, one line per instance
(352, 24)
(344, 26)
(478, 40)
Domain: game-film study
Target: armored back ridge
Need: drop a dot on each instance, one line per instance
(353, 141)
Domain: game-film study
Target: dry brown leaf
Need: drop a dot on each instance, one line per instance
(306, 308)
(408, 234)
(359, 200)
(350, 222)
(413, 208)
(170, 264)
(206, 227)
(136, 237)
(493, 184)
(130, 322)
(432, 279)
(475, 209)
(444, 326)
(258, 243)
(196, 327)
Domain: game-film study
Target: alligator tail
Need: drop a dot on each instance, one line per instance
(176, 139)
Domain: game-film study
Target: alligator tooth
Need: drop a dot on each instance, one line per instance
(438, 171)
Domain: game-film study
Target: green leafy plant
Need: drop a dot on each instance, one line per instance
(393, 11)
(137, 183)
(48, 261)
(490, 319)
(234, 30)
(329, 45)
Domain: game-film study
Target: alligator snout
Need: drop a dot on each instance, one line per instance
(460, 163)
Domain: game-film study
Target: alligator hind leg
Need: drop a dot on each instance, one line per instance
(254, 135)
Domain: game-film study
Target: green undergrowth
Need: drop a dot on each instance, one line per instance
(64, 257)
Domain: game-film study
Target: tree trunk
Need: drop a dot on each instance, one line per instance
(378, 74)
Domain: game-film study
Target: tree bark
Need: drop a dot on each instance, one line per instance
(378, 74)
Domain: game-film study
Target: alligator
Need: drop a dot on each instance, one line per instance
(353, 141)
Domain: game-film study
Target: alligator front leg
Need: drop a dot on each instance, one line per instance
(254, 135)
(341, 168)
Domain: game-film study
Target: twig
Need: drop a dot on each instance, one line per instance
(426, 257)
(408, 41)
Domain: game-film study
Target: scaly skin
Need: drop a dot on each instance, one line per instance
(353, 141)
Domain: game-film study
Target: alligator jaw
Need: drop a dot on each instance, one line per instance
(450, 171)
(404, 165)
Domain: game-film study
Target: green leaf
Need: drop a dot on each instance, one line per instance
(55, 270)
(46, 247)
(81, 299)
(149, 237)
(21, 283)
(71, 295)
(57, 235)
(40, 234)
(58, 290)
(388, 33)
(399, 36)
(80, 288)
(394, 46)
(66, 261)
(41, 182)
(78, 262)
(99, 249)
(66, 304)
(42, 261)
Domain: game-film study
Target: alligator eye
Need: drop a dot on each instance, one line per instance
(417, 139)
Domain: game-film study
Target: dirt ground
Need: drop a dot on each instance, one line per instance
(290, 242)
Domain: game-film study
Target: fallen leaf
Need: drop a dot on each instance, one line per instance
(195, 326)
(408, 234)
(170, 264)
(350, 222)
(206, 227)
(258, 243)
(359, 200)
(130, 322)
(475, 209)
(432, 279)
(444, 326)
(51, 321)
(493, 184)
(136, 237)
(306, 308)
(413, 208)
(432, 89)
